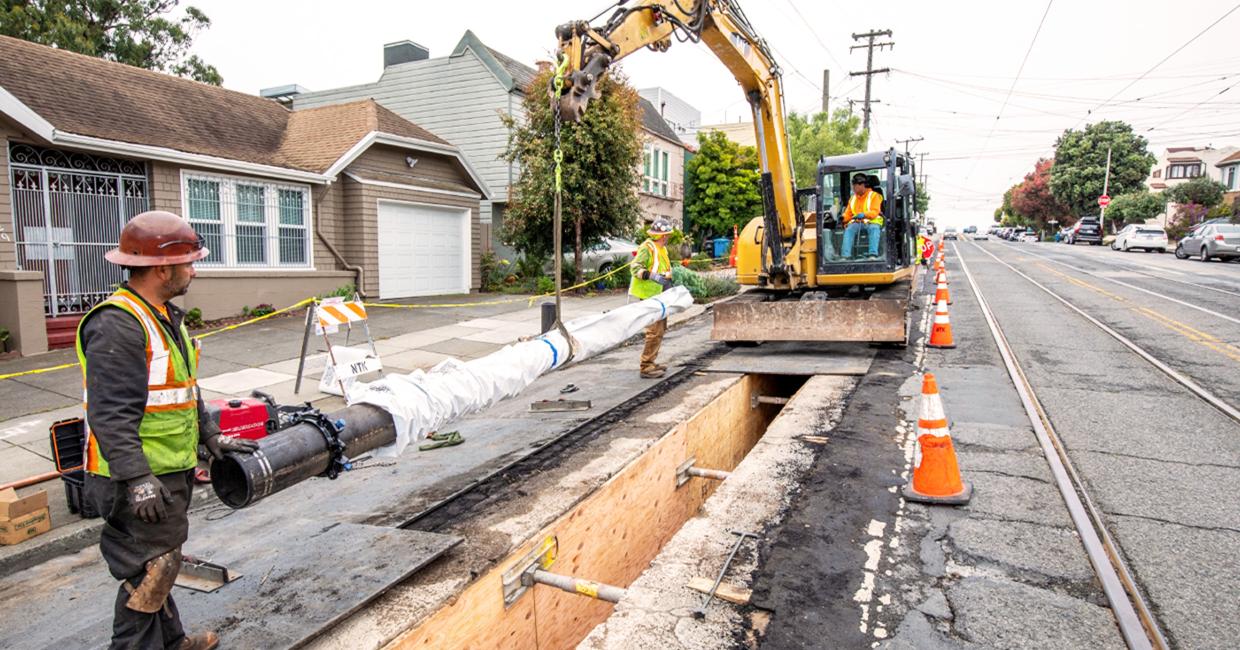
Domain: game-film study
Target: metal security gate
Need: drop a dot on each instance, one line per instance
(68, 210)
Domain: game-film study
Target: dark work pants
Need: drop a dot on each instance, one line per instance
(127, 544)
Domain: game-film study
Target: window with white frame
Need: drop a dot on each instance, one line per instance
(249, 223)
(1229, 177)
(654, 170)
(1189, 170)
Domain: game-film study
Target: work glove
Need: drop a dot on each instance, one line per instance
(220, 444)
(147, 497)
(658, 277)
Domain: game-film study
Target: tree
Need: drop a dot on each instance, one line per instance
(1033, 200)
(134, 32)
(921, 202)
(1200, 190)
(1006, 214)
(1136, 207)
(1079, 172)
(599, 170)
(821, 135)
(721, 188)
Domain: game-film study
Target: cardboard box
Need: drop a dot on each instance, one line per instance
(22, 528)
(13, 506)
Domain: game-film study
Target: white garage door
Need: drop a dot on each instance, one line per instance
(423, 251)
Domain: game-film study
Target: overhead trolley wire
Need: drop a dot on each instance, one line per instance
(1157, 65)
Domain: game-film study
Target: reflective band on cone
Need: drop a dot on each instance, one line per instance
(940, 292)
(936, 478)
(941, 333)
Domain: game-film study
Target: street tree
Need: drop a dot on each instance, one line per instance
(921, 201)
(1201, 190)
(811, 137)
(1033, 200)
(721, 187)
(1079, 172)
(140, 33)
(599, 171)
(1136, 207)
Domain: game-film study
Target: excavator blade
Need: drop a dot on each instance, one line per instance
(761, 316)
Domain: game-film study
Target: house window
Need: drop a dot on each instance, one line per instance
(1157, 173)
(1230, 176)
(654, 171)
(249, 224)
(1188, 170)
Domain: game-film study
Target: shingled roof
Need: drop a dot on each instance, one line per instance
(653, 122)
(92, 97)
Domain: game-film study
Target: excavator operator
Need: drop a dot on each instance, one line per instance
(864, 212)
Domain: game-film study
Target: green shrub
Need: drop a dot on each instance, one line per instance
(529, 266)
(343, 291)
(4, 339)
(703, 287)
(700, 262)
(193, 318)
(495, 272)
(261, 310)
(544, 284)
(620, 280)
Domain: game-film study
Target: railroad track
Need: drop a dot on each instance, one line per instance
(1138, 625)
(1156, 294)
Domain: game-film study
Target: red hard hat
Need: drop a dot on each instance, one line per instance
(157, 238)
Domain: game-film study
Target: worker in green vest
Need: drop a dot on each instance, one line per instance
(650, 273)
(144, 421)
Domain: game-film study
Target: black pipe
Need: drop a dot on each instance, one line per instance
(297, 453)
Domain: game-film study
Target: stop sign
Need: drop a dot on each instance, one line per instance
(1104, 201)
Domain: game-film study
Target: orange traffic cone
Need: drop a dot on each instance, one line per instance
(940, 291)
(941, 333)
(936, 478)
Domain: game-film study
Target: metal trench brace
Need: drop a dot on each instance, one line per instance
(688, 470)
(532, 570)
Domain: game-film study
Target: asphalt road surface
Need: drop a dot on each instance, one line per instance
(1162, 463)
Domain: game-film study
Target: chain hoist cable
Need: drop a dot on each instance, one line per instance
(557, 86)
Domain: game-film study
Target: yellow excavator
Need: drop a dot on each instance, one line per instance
(813, 285)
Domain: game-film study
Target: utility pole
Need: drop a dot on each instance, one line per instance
(826, 90)
(1106, 184)
(906, 143)
(869, 65)
(921, 164)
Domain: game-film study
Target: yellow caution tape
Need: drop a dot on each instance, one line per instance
(302, 303)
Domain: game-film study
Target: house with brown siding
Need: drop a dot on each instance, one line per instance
(291, 203)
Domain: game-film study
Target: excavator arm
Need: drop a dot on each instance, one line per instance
(588, 51)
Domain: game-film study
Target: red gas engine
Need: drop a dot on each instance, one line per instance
(251, 418)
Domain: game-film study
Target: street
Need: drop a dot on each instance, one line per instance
(1158, 460)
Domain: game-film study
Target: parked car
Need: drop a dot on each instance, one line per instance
(1088, 230)
(1147, 238)
(949, 233)
(981, 235)
(1065, 235)
(1027, 235)
(602, 256)
(1211, 240)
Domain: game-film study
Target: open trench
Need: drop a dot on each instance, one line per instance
(609, 535)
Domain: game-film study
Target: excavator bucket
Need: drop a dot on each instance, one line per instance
(761, 316)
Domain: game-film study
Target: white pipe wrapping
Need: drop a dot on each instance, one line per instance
(422, 402)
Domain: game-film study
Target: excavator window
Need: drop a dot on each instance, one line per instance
(839, 244)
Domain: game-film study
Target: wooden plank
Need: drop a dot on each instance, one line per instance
(728, 592)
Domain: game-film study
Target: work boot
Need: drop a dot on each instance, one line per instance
(660, 367)
(201, 641)
(653, 372)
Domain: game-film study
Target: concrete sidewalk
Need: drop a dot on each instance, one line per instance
(264, 356)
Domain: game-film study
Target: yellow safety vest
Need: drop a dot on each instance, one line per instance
(169, 427)
(659, 263)
(858, 206)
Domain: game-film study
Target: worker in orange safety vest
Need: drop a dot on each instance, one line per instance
(864, 212)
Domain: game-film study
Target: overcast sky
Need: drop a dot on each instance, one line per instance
(953, 66)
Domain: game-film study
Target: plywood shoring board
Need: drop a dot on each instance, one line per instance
(610, 537)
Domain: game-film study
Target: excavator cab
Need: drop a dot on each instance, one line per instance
(842, 254)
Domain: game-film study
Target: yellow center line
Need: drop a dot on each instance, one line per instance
(1196, 336)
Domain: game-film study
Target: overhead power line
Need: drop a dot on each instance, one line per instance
(813, 32)
(1156, 65)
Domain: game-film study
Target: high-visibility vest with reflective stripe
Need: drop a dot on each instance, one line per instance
(859, 206)
(659, 263)
(169, 428)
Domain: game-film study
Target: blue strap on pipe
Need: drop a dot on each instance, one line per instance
(555, 354)
(662, 306)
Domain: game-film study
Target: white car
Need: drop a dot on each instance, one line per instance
(1028, 236)
(1148, 238)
